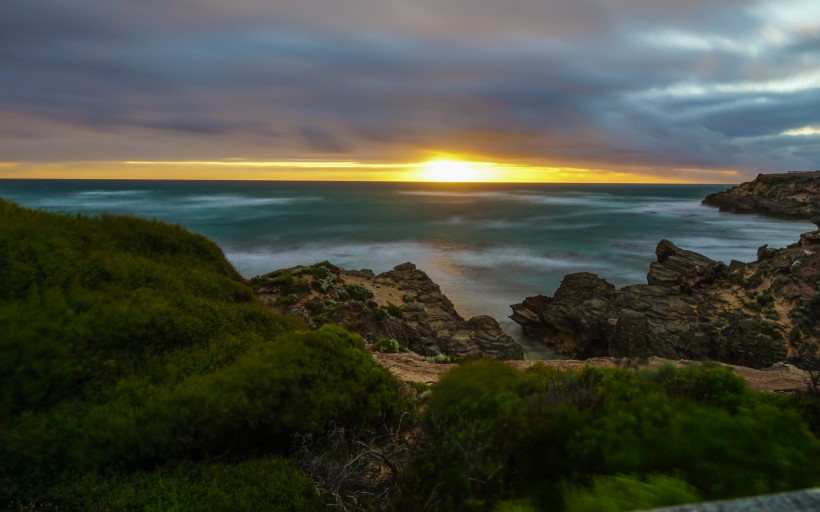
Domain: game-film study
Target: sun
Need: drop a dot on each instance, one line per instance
(452, 170)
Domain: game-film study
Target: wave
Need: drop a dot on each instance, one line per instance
(112, 193)
(233, 201)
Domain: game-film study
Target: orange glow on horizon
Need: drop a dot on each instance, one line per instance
(444, 169)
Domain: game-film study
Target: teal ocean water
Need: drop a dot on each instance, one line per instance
(487, 245)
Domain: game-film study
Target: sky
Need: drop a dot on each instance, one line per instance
(706, 91)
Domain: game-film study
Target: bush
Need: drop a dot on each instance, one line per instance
(128, 344)
(355, 292)
(271, 484)
(559, 440)
(389, 345)
(622, 493)
(254, 405)
(287, 300)
(396, 311)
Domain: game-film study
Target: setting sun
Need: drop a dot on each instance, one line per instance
(455, 170)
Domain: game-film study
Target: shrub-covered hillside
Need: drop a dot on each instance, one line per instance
(137, 371)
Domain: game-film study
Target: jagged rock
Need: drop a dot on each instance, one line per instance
(810, 238)
(675, 264)
(403, 304)
(753, 314)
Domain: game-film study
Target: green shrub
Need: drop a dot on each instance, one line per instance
(389, 345)
(765, 298)
(128, 344)
(287, 300)
(396, 311)
(355, 292)
(623, 493)
(553, 439)
(271, 484)
(315, 307)
(440, 359)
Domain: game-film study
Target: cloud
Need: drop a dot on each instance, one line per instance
(321, 140)
(666, 85)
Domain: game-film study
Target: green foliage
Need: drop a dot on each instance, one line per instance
(271, 484)
(128, 344)
(441, 359)
(355, 292)
(396, 311)
(706, 383)
(315, 306)
(765, 298)
(287, 300)
(562, 440)
(389, 345)
(622, 493)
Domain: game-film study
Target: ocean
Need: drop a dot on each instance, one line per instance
(486, 245)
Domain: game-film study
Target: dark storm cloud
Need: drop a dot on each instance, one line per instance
(593, 82)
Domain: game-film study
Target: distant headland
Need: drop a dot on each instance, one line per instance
(793, 195)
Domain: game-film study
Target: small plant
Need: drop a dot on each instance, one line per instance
(357, 292)
(387, 345)
(315, 307)
(440, 359)
(407, 298)
(765, 298)
(300, 286)
(286, 300)
(325, 283)
(771, 331)
(321, 320)
(396, 311)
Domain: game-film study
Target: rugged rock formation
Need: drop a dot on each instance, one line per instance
(403, 304)
(795, 195)
(752, 314)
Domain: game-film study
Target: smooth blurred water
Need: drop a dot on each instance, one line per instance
(486, 245)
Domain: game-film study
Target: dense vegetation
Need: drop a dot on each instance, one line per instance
(499, 439)
(138, 372)
(136, 367)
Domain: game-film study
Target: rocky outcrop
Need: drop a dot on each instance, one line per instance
(795, 195)
(402, 307)
(692, 307)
